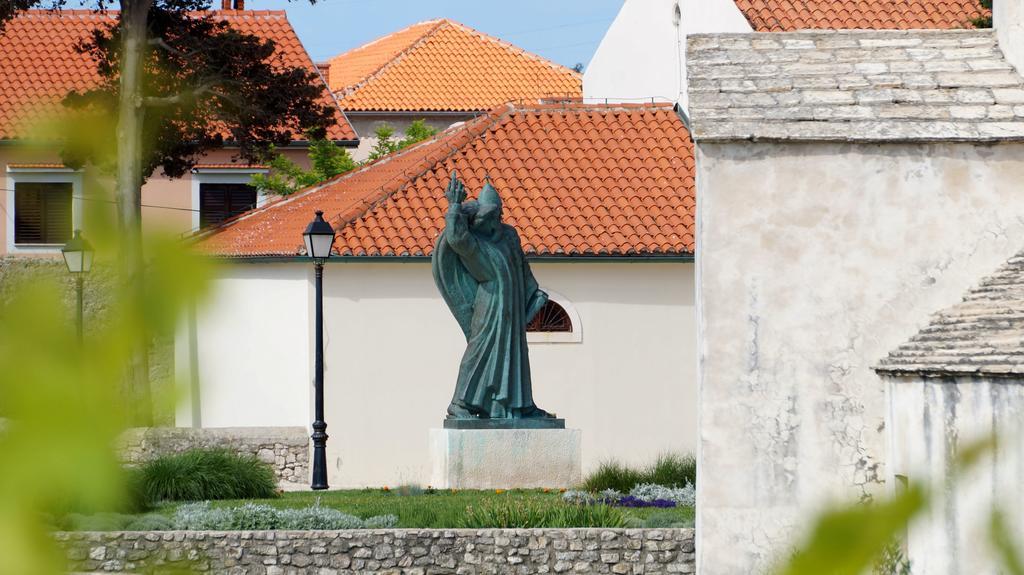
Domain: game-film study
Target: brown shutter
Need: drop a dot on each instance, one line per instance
(42, 212)
(218, 202)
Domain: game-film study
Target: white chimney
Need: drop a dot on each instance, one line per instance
(1008, 20)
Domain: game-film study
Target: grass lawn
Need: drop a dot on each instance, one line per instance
(441, 509)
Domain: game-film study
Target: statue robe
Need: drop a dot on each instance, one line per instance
(490, 289)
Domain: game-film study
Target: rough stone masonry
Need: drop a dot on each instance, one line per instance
(407, 552)
(285, 449)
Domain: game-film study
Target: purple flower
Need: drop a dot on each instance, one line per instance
(630, 501)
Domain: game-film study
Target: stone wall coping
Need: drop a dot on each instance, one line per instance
(286, 433)
(285, 534)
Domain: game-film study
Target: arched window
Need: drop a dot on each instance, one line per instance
(551, 318)
(556, 322)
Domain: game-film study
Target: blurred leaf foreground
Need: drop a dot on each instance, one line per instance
(64, 402)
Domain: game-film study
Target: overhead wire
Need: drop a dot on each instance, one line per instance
(154, 206)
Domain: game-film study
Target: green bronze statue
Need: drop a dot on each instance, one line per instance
(483, 276)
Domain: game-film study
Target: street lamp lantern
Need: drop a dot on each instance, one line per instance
(77, 254)
(78, 257)
(319, 238)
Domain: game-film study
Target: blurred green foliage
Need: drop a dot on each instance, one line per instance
(857, 538)
(65, 403)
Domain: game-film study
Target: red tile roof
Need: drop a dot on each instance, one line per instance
(575, 180)
(791, 15)
(39, 64)
(441, 65)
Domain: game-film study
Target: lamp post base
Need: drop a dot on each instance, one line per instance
(319, 456)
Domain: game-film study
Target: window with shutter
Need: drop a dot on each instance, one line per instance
(218, 202)
(42, 212)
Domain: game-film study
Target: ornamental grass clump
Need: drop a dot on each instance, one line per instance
(612, 475)
(670, 470)
(518, 514)
(205, 474)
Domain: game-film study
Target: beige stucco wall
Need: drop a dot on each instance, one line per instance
(366, 126)
(932, 420)
(167, 203)
(251, 347)
(392, 351)
(814, 261)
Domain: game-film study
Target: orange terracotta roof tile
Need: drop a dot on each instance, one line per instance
(577, 180)
(441, 65)
(237, 166)
(791, 15)
(39, 64)
(43, 166)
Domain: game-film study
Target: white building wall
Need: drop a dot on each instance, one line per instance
(643, 54)
(253, 342)
(814, 261)
(1008, 20)
(393, 350)
(930, 421)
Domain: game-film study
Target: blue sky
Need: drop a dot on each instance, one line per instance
(566, 31)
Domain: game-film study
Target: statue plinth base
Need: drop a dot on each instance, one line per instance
(505, 458)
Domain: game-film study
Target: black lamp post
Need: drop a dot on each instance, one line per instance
(319, 238)
(78, 257)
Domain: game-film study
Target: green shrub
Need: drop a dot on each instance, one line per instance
(669, 470)
(510, 513)
(257, 516)
(201, 517)
(317, 517)
(253, 517)
(205, 474)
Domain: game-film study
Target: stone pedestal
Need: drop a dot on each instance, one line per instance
(505, 458)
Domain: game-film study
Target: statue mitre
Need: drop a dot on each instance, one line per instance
(489, 198)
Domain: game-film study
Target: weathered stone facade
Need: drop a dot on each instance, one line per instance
(286, 449)
(423, 552)
(877, 85)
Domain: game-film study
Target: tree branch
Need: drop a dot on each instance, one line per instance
(181, 98)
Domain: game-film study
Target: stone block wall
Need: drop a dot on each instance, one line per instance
(286, 449)
(411, 552)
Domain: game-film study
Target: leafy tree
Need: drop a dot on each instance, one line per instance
(176, 82)
(286, 177)
(417, 131)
